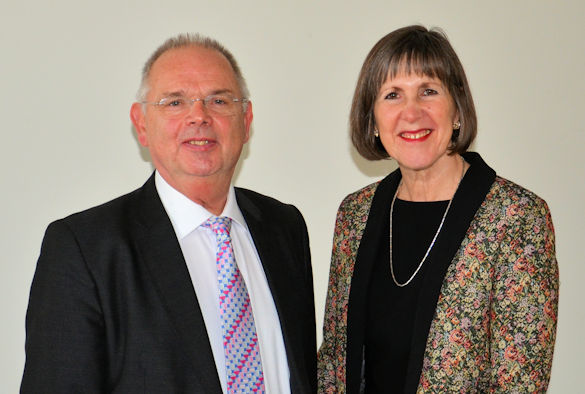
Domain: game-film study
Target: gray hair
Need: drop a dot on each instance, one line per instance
(190, 40)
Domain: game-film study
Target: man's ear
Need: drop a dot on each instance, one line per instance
(137, 118)
(248, 117)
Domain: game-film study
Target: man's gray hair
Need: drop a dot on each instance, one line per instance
(190, 40)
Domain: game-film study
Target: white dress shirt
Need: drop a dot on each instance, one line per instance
(199, 245)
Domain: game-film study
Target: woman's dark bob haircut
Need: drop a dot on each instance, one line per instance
(411, 49)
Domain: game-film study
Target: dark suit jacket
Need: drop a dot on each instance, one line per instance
(112, 307)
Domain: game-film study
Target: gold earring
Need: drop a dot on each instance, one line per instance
(456, 125)
(376, 133)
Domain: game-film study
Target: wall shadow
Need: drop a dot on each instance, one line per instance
(372, 169)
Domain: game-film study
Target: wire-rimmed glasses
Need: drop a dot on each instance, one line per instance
(223, 104)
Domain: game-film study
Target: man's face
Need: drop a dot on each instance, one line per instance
(197, 145)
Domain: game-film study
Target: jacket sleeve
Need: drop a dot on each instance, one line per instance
(65, 340)
(332, 353)
(524, 302)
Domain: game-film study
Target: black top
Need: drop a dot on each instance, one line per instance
(391, 309)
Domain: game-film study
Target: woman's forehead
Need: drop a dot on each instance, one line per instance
(409, 75)
(413, 65)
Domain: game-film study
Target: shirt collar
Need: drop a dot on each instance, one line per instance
(186, 215)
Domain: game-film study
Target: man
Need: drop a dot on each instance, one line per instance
(126, 295)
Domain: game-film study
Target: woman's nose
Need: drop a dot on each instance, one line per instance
(412, 110)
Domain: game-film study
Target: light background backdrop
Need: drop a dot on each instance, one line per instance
(69, 71)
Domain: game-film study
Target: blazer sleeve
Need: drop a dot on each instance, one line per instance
(332, 353)
(65, 340)
(524, 305)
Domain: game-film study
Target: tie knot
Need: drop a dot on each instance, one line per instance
(220, 225)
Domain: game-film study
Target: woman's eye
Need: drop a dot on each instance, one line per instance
(429, 92)
(391, 96)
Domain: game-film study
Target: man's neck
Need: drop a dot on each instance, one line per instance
(210, 192)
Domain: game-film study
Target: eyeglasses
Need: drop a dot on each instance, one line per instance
(217, 104)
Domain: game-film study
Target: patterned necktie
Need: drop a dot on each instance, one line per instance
(240, 342)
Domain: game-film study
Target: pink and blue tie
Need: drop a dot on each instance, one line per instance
(240, 342)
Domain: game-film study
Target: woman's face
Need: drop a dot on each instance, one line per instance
(414, 115)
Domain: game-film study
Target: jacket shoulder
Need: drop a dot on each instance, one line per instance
(254, 201)
(258, 197)
(110, 212)
(518, 202)
(359, 200)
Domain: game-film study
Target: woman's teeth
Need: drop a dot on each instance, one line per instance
(199, 143)
(415, 136)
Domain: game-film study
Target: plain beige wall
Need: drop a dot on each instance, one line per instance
(69, 71)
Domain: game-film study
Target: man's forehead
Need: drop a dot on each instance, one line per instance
(192, 63)
(193, 56)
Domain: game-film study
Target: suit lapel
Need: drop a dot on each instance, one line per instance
(466, 201)
(161, 253)
(365, 258)
(270, 242)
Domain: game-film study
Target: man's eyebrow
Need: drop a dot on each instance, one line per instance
(221, 91)
(176, 93)
(182, 93)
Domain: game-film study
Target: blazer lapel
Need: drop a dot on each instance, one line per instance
(466, 201)
(161, 253)
(270, 242)
(366, 256)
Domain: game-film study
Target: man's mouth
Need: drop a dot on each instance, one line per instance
(199, 142)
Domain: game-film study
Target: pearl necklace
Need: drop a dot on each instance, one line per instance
(434, 238)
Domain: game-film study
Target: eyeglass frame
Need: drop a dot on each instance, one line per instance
(205, 101)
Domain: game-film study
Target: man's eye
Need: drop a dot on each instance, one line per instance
(218, 100)
(176, 102)
(171, 102)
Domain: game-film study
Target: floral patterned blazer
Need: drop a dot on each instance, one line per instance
(493, 326)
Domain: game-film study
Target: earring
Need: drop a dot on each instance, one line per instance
(456, 125)
(376, 133)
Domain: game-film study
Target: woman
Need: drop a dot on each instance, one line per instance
(443, 275)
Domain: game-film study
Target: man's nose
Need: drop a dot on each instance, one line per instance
(198, 112)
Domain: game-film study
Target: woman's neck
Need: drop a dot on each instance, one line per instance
(436, 183)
